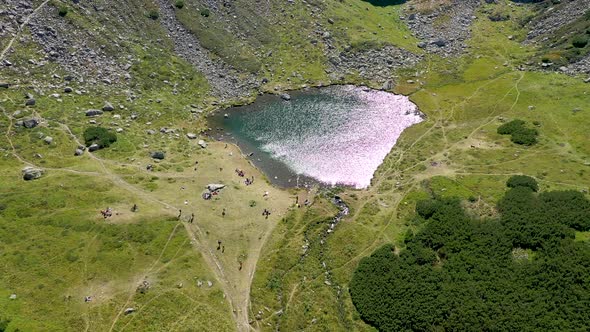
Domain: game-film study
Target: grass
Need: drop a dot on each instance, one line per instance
(464, 99)
(54, 243)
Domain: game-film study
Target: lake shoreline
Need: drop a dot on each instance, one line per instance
(332, 136)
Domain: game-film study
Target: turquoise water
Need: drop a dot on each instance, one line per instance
(336, 135)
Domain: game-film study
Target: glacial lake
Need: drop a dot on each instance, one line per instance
(336, 135)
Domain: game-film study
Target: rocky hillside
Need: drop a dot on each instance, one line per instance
(243, 46)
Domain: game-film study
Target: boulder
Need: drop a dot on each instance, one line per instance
(93, 112)
(129, 311)
(439, 43)
(12, 296)
(30, 102)
(30, 123)
(32, 173)
(158, 155)
(108, 107)
(67, 89)
(202, 143)
(215, 186)
(587, 80)
(78, 152)
(191, 136)
(4, 85)
(48, 140)
(285, 96)
(388, 85)
(93, 147)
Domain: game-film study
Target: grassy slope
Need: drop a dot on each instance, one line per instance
(463, 98)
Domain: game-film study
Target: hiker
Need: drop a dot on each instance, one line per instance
(225, 146)
(265, 195)
(222, 249)
(306, 202)
(218, 244)
(223, 212)
(179, 214)
(134, 208)
(192, 218)
(240, 269)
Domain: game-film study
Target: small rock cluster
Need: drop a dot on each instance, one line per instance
(373, 64)
(444, 30)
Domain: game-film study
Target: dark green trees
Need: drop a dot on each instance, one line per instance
(522, 272)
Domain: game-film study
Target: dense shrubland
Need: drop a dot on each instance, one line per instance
(519, 132)
(522, 271)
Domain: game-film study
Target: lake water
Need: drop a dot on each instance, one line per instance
(336, 135)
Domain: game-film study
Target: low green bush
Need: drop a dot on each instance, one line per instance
(510, 127)
(63, 11)
(99, 135)
(580, 41)
(153, 14)
(524, 136)
(179, 4)
(520, 134)
(522, 181)
(205, 12)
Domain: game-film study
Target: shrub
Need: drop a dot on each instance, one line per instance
(101, 136)
(510, 127)
(458, 273)
(179, 4)
(426, 208)
(205, 12)
(580, 41)
(522, 181)
(519, 133)
(524, 136)
(153, 14)
(63, 11)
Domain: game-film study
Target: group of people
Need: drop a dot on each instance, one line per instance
(107, 213)
(306, 203)
(266, 213)
(247, 181)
